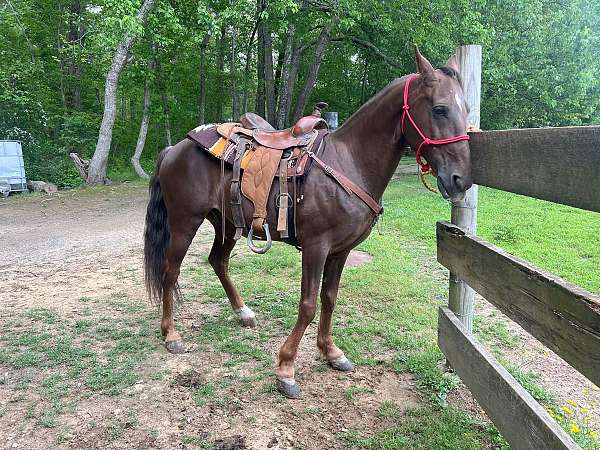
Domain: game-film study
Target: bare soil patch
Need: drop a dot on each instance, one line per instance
(71, 270)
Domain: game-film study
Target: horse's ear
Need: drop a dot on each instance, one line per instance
(453, 63)
(423, 66)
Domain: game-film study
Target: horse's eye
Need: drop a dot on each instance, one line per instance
(440, 111)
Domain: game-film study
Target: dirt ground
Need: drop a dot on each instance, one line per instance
(74, 261)
(64, 254)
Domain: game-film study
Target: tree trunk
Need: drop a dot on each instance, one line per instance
(164, 99)
(268, 73)
(247, 67)
(75, 35)
(221, 78)
(260, 62)
(97, 168)
(278, 70)
(313, 70)
(167, 115)
(286, 83)
(202, 94)
(363, 84)
(235, 108)
(139, 148)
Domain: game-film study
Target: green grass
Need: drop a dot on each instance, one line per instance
(423, 428)
(55, 353)
(390, 305)
(557, 238)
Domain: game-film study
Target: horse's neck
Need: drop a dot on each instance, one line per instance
(368, 145)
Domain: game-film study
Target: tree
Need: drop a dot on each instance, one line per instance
(540, 67)
(139, 148)
(97, 168)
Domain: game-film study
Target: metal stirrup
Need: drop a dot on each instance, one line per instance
(260, 250)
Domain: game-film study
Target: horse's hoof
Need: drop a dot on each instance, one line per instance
(176, 347)
(342, 364)
(249, 322)
(288, 387)
(247, 317)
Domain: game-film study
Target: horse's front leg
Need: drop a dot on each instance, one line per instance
(313, 260)
(329, 290)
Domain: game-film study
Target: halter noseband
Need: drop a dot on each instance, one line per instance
(424, 166)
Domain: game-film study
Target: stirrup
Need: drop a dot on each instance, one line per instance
(260, 250)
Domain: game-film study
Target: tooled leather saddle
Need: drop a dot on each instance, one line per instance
(258, 154)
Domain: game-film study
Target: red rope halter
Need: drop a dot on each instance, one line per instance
(425, 166)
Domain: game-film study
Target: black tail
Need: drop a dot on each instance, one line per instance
(156, 237)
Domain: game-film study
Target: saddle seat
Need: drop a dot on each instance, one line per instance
(299, 135)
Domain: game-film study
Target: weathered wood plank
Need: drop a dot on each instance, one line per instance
(516, 414)
(562, 316)
(461, 298)
(561, 165)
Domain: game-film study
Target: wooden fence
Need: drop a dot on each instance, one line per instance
(560, 165)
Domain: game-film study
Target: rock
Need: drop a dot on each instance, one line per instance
(4, 188)
(235, 442)
(39, 186)
(189, 378)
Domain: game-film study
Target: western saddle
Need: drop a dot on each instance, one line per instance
(264, 153)
(272, 153)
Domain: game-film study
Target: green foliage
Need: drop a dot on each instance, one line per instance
(540, 65)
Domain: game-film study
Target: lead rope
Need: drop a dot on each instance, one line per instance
(380, 222)
(424, 181)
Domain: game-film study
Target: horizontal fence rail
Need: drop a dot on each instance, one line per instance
(561, 165)
(564, 317)
(520, 419)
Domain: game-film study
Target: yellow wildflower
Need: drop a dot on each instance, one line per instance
(593, 434)
(575, 428)
(572, 402)
(567, 409)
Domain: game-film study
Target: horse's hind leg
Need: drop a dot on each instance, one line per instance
(219, 260)
(329, 290)
(181, 238)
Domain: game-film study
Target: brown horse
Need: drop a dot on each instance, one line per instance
(186, 189)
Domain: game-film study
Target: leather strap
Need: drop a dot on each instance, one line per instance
(282, 222)
(348, 185)
(235, 190)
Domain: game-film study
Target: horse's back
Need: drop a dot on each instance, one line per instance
(189, 177)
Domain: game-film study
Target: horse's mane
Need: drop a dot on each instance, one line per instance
(448, 71)
(452, 73)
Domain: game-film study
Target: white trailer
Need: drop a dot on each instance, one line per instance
(12, 168)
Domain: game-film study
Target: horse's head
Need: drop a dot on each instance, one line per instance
(438, 110)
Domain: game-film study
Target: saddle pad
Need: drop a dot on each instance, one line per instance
(210, 140)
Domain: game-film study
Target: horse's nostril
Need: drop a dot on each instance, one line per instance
(458, 182)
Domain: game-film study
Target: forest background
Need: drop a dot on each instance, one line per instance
(70, 67)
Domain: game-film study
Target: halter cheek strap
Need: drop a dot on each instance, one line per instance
(424, 166)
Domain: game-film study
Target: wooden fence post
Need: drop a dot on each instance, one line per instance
(464, 213)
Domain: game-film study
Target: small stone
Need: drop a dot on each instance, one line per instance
(39, 186)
